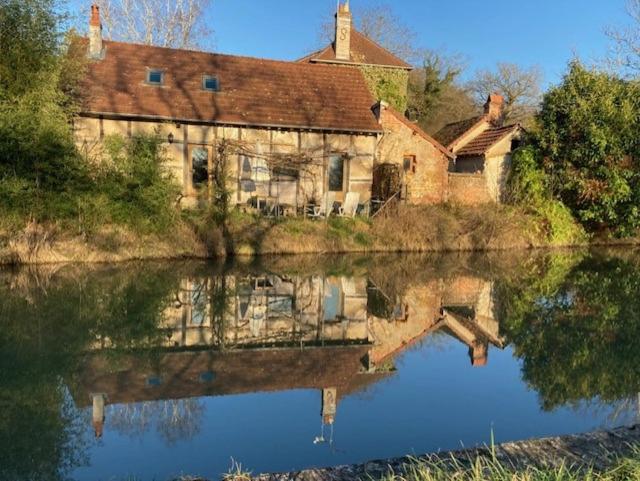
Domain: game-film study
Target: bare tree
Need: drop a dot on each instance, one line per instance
(519, 86)
(626, 41)
(166, 23)
(379, 23)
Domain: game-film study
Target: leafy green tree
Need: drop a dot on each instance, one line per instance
(434, 98)
(588, 136)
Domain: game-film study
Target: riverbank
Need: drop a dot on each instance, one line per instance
(610, 454)
(441, 228)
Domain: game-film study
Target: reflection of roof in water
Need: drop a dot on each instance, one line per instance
(178, 375)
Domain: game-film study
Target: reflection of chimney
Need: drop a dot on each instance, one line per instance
(97, 415)
(494, 108)
(478, 354)
(343, 32)
(95, 33)
(329, 404)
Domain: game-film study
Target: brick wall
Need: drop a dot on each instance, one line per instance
(468, 189)
(428, 184)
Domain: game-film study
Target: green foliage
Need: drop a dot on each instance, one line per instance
(587, 135)
(528, 186)
(43, 177)
(29, 35)
(135, 181)
(388, 84)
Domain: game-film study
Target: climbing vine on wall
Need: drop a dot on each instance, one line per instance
(387, 84)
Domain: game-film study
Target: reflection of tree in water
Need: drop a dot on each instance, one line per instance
(175, 419)
(576, 330)
(42, 435)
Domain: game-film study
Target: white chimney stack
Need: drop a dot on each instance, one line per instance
(343, 32)
(95, 33)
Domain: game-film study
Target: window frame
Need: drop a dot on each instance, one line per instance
(340, 156)
(151, 71)
(215, 78)
(409, 163)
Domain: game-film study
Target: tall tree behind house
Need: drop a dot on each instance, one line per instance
(519, 86)
(176, 24)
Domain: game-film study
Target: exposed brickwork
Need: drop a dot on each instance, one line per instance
(468, 189)
(428, 184)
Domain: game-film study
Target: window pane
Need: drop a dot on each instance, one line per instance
(211, 83)
(199, 163)
(155, 77)
(336, 173)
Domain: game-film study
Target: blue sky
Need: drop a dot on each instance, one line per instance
(543, 32)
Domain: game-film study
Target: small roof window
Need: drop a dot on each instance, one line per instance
(210, 83)
(155, 76)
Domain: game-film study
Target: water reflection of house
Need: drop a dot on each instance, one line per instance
(268, 311)
(462, 307)
(239, 334)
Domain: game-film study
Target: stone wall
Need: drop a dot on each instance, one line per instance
(468, 189)
(429, 183)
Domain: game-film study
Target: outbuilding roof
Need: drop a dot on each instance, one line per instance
(252, 91)
(364, 51)
(450, 133)
(481, 144)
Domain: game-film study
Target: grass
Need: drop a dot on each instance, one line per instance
(489, 469)
(484, 469)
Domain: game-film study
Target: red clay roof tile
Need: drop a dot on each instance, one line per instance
(487, 139)
(254, 92)
(363, 51)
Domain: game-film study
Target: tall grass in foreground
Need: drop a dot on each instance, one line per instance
(484, 469)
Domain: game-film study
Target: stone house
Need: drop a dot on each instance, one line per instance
(421, 161)
(267, 109)
(482, 147)
(289, 131)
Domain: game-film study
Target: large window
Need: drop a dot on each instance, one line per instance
(200, 165)
(336, 173)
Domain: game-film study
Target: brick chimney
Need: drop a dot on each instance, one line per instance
(478, 352)
(343, 32)
(494, 108)
(95, 33)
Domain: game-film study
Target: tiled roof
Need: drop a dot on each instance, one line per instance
(253, 92)
(487, 139)
(448, 134)
(363, 51)
(413, 126)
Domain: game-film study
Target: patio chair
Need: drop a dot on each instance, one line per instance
(350, 206)
(325, 207)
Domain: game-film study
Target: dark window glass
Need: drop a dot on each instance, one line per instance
(154, 77)
(199, 165)
(409, 163)
(210, 83)
(336, 173)
(284, 173)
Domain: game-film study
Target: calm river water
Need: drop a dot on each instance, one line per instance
(153, 370)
